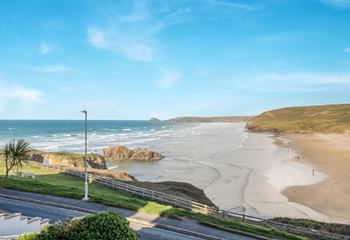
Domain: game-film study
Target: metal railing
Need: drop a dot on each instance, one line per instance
(188, 204)
(143, 192)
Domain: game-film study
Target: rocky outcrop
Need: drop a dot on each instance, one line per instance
(154, 119)
(97, 162)
(143, 154)
(68, 159)
(122, 153)
(117, 152)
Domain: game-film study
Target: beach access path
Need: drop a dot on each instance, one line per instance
(148, 226)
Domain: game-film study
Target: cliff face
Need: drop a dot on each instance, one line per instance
(122, 153)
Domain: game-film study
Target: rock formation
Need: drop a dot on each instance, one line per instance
(142, 154)
(117, 152)
(120, 153)
(154, 119)
(68, 159)
(96, 161)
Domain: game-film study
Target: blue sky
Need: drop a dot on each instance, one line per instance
(138, 59)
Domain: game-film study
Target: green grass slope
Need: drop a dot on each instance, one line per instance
(309, 119)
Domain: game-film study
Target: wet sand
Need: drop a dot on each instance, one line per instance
(238, 171)
(272, 169)
(328, 154)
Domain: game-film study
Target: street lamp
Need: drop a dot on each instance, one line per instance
(85, 198)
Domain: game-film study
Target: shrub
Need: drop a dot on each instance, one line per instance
(100, 226)
(28, 236)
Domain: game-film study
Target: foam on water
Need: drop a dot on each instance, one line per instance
(69, 135)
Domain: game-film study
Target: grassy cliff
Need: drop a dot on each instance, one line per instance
(309, 119)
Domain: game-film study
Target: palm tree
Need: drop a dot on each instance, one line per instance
(16, 155)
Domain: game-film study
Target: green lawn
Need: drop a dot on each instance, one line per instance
(57, 183)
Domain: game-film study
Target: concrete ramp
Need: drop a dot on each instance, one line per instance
(14, 224)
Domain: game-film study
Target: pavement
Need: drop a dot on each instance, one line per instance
(149, 227)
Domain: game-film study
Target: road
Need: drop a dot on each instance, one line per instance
(146, 225)
(55, 214)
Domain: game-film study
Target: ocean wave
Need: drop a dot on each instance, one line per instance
(134, 136)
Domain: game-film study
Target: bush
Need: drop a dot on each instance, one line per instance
(28, 236)
(100, 226)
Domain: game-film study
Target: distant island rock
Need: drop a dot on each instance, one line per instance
(211, 119)
(122, 153)
(154, 119)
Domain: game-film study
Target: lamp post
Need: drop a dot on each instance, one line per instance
(85, 198)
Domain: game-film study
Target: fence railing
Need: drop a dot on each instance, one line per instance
(188, 204)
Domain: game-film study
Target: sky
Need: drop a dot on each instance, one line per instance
(165, 58)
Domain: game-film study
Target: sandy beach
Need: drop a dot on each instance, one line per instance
(272, 169)
(238, 170)
(328, 154)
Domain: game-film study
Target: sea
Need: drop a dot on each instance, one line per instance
(203, 154)
(186, 146)
(68, 135)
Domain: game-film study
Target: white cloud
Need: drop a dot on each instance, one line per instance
(347, 49)
(169, 79)
(125, 44)
(231, 4)
(46, 48)
(52, 69)
(134, 35)
(25, 96)
(338, 3)
(97, 38)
